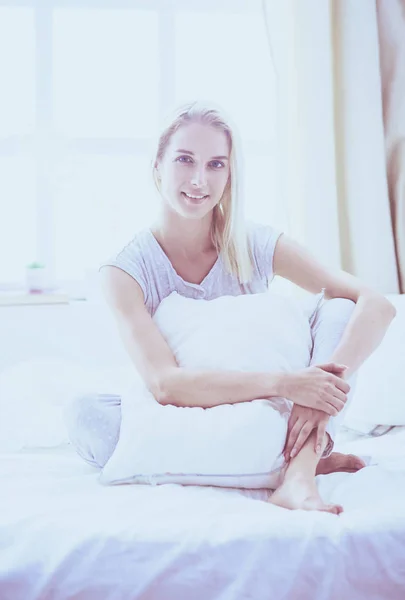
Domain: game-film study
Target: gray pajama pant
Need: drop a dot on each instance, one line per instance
(93, 421)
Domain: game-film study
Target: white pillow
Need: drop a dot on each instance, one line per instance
(34, 393)
(380, 390)
(231, 445)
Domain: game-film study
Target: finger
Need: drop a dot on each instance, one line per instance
(287, 447)
(293, 437)
(338, 404)
(320, 434)
(302, 438)
(332, 366)
(328, 408)
(341, 384)
(340, 395)
(293, 419)
(291, 422)
(335, 402)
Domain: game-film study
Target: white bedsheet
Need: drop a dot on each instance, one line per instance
(63, 535)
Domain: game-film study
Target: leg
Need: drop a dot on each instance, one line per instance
(338, 462)
(93, 423)
(298, 490)
(327, 331)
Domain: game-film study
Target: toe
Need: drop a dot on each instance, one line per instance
(355, 462)
(334, 508)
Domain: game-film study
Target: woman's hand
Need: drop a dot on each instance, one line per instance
(317, 387)
(302, 422)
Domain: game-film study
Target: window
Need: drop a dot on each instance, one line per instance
(82, 96)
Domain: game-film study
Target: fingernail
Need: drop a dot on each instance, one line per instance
(318, 449)
(293, 453)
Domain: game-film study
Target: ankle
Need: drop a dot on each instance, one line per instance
(300, 473)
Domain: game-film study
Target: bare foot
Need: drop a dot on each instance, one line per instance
(349, 463)
(296, 492)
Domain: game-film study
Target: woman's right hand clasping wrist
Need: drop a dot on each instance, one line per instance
(318, 387)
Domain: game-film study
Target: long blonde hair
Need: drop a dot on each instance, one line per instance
(228, 232)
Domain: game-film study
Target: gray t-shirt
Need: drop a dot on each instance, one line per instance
(144, 259)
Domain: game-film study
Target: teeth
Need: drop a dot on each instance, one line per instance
(195, 197)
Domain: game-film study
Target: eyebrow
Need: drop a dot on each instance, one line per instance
(192, 154)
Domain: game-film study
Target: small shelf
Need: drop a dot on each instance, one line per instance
(22, 298)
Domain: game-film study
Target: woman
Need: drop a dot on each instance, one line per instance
(201, 247)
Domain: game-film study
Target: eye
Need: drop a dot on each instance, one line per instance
(219, 162)
(214, 161)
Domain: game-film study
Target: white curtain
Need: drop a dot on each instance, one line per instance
(331, 134)
(391, 30)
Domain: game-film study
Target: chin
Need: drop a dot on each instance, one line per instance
(196, 214)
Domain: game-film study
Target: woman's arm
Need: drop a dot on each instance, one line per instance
(358, 336)
(364, 332)
(172, 384)
(372, 314)
(189, 387)
(154, 359)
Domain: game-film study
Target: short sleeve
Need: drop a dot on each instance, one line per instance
(130, 260)
(264, 239)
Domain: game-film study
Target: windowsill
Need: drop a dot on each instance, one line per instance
(63, 292)
(22, 298)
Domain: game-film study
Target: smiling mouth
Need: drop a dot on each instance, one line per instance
(195, 200)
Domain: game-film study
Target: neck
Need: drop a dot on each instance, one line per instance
(185, 237)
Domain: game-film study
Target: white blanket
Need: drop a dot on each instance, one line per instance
(62, 535)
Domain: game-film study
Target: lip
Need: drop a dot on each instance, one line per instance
(195, 200)
(195, 193)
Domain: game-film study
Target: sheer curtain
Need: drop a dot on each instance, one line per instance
(331, 133)
(391, 30)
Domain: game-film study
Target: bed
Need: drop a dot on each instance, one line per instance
(65, 536)
(62, 535)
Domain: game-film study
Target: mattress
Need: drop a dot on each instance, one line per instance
(63, 535)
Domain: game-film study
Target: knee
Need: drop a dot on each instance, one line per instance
(339, 309)
(77, 410)
(78, 416)
(93, 424)
(342, 304)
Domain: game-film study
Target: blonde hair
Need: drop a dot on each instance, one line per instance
(228, 232)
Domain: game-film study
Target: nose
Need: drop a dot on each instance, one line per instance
(199, 178)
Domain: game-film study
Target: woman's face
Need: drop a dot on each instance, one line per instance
(196, 162)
